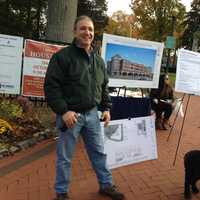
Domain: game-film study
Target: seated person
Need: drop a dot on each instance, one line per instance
(162, 100)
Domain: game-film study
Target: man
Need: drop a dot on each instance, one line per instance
(75, 84)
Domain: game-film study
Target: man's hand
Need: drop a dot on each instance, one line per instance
(106, 117)
(155, 101)
(70, 118)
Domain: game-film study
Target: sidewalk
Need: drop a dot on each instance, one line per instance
(29, 175)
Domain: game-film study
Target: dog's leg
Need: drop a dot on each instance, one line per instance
(187, 193)
(194, 188)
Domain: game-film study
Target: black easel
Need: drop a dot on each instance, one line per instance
(173, 124)
(181, 132)
(124, 87)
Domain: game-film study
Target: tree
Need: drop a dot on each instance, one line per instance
(121, 24)
(61, 16)
(23, 18)
(153, 18)
(96, 9)
(192, 24)
(29, 18)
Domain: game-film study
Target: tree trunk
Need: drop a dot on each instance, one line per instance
(37, 35)
(28, 20)
(61, 16)
(7, 8)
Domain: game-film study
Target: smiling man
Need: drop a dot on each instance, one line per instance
(75, 85)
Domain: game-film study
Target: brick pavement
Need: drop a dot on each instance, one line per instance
(149, 180)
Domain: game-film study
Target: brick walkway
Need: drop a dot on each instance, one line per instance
(32, 178)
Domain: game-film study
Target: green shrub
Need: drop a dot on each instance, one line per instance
(10, 110)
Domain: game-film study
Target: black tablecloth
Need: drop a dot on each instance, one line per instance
(130, 107)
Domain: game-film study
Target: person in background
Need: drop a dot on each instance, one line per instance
(76, 83)
(162, 100)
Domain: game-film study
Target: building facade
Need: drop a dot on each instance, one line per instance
(119, 67)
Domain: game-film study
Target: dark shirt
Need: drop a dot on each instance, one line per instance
(76, 81)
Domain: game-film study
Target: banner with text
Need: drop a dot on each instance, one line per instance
(10, 61)
(188, 72)
(36, 60)
(130, 141)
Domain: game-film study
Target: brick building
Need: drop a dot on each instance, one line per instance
(119, 67)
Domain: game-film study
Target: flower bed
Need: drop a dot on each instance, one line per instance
(21, 125)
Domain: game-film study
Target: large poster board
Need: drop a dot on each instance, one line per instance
(130, 141)
(10, 63)
(36, 60)
(188, 72)
(131, 62)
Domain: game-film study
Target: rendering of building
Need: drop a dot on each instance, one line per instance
(119, 67)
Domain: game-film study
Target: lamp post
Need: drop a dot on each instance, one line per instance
(170, 37)
(196, 39)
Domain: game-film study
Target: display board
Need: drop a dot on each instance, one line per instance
(188, 72)
(131, 62)
(36, 60)
(130, 141)
(10, 62)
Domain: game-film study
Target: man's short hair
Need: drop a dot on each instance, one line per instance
(81, 17)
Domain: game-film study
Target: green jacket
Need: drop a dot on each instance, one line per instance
(75, 81)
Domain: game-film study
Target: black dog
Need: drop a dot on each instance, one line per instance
(192, 171)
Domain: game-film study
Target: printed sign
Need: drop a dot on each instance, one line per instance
(130, 141)
(10, 62)
(36, 60)
(170, 42)
(188, 72)
(132, 63)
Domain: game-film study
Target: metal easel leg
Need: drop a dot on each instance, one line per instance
(181, 132)
(172, 127)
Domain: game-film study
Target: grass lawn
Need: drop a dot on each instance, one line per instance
(172, 77)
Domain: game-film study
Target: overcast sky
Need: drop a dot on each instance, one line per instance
(115, 5)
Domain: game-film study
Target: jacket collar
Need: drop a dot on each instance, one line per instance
(74, 43)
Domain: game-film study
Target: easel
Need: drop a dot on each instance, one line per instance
(124, 87)
(173, 124)
(194, 48)
(181, 131)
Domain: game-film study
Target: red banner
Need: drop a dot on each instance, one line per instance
(36, 59)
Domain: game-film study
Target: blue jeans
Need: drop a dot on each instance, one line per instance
(88, 126)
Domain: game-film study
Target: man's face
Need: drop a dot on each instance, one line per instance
(167, 81)
(84, 33)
